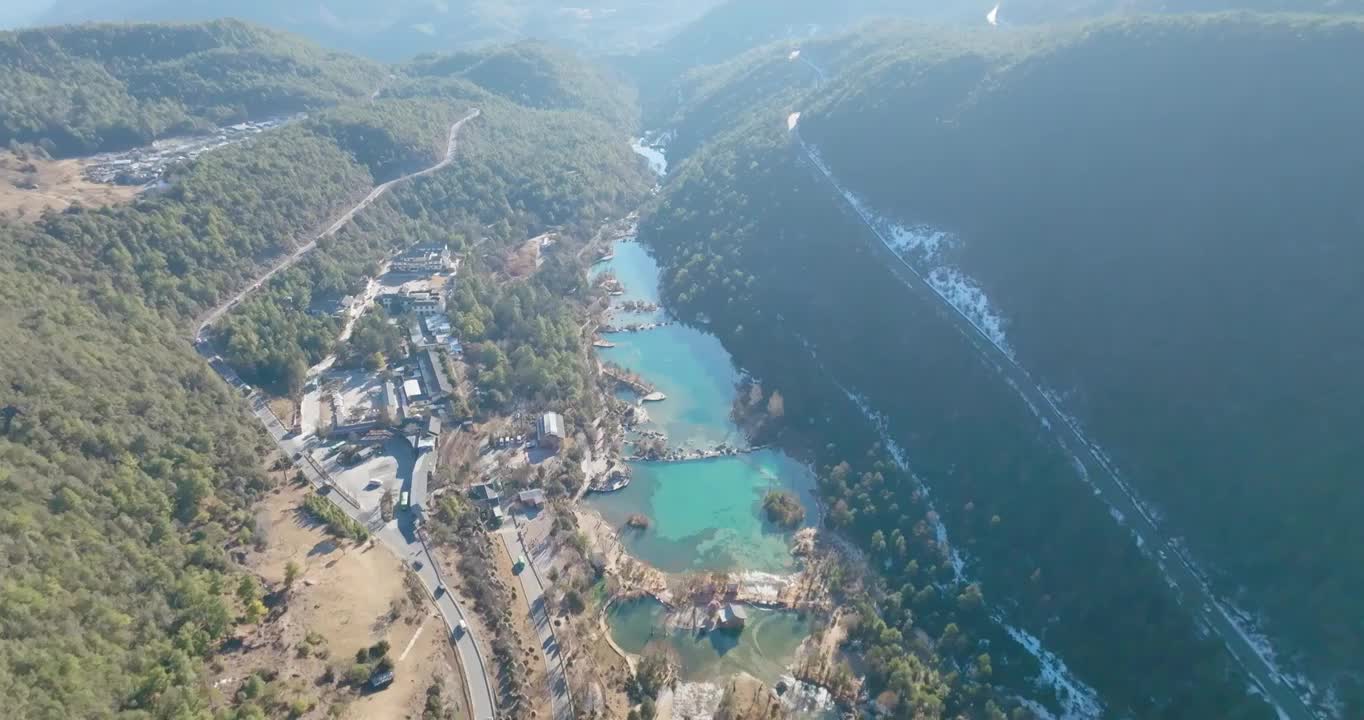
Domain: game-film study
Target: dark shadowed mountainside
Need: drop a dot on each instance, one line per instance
(1160, 212)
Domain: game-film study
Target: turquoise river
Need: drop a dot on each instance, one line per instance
(705, 514)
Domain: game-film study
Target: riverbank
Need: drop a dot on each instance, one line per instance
(678, 455)
(689, 555)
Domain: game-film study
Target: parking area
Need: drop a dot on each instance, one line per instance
(356, 394)
(367, 481)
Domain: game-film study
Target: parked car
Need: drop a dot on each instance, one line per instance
(380, 680)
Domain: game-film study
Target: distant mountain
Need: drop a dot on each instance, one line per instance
(400, 29)
(736, 26)
(78, 89)
(534, 75)
(1161, 214)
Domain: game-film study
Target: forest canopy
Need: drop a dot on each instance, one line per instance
(82, 89)
(128, 469)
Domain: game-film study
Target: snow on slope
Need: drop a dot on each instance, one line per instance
(922, 248)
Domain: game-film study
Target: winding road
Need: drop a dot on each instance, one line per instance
(1179, 572)
(400, 535)
(207, 320)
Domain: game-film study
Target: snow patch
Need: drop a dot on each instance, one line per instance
(924, 242)
(803, 697)
(967, 297)
(919, 249)
(992, 17)
(1078, 700)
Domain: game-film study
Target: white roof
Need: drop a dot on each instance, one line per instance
(552, 424)
(412, 388)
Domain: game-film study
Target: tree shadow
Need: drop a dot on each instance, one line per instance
(324, 547)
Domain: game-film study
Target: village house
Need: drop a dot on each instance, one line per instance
(332, 305)
(434, 376)
(424, 259)
(732, 616)
(550, 431)
(531, 498)
(419, 302)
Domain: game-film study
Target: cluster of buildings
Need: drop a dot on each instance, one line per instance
(424, 260)
(420, 389)
(147, 165)
(419, 297)
(489, 495)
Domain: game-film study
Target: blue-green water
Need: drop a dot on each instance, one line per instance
(688, 365)
(764, 649)
(694, 371)
(706, 514)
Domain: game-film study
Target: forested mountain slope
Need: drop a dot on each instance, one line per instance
(1171, 248)
(1164, 239)
(79, 89)
(734, 27)
(127, 471)
(535, 75)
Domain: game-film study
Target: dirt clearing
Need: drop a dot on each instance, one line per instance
(30, 185)
(343, 600)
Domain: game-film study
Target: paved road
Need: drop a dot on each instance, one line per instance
(559, 695)
(212, 316)
(400, 536)
(1179, 572)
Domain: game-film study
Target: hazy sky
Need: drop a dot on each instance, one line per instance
(14, 13)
